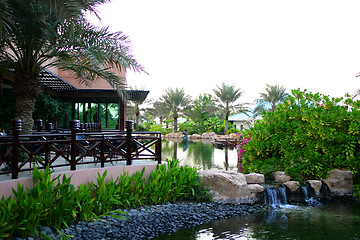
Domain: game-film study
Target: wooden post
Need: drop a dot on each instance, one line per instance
(158, 149)
(15, 160)
(39, 124)
(129, 129)
(74, 125)
(49, 127)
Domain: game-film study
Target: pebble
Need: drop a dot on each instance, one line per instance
(150, 221)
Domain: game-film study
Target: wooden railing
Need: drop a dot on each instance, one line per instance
(19, 153)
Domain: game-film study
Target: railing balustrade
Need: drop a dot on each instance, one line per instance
(19, 153)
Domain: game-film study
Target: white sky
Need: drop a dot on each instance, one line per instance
(198, 44)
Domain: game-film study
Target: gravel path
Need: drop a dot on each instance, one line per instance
(150, 221)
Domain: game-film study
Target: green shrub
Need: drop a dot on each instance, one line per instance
(308, 135)
(55, 202)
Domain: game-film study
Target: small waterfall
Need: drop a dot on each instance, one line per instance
(305, 192)
(275, 197)
(309, 201)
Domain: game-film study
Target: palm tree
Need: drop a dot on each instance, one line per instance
(274, 95)
(227, 95)
(175, 101)
(39, 34)
(159, 110)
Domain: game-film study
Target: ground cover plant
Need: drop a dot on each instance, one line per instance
(308, 135)
(56, 202)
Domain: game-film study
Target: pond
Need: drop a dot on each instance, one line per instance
(330, 221)
(201, 154)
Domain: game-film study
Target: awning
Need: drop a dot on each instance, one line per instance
(50, 80)
(136, 95)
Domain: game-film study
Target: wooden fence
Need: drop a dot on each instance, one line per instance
(71, 148)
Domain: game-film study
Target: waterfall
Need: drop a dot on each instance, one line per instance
(309, 201)
(305, 192)
(275, 197)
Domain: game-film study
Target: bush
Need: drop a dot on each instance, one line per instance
(308, 135)
(55, 202)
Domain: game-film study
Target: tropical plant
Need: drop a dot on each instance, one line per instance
(227, 95)
(306, 136)
(202, 108)
(49, 109)
(37, 34)
(175, 102)
(159, 110)
(274, 95)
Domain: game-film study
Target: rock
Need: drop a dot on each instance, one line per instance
(294, 192)
(314, 186)
(281, 177)
(228, 186)
(174, 135)
(293, 186)
(256, 192)
(195, 136)
(234, 135)
(255, 178)
(209, 135)
(340, 182)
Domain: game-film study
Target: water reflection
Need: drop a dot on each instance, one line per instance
(331, 221)
(200, 154)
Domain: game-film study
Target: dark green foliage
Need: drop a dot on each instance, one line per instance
(308, 135)
(50, 109)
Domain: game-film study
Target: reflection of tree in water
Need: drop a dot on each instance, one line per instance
(202, 153)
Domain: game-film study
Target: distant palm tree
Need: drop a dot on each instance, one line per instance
(274, 95)
(227, 95)
(38, 34)
(175, 102)
(159, 110)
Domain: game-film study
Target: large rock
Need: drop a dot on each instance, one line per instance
(314, 187)
(209, 135)
(229, 186)
(293, 186)
(256, 192)
(281, 177)
(340, 182)
(255, 178)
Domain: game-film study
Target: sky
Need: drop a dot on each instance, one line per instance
(199, 44)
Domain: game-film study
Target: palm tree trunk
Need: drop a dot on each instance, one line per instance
(226, 122)
(175, 125)
(26, 89)
(24, 109)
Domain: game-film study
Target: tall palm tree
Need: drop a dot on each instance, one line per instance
(227, 95)
(175, 101)
(39, 34)
(274, 95)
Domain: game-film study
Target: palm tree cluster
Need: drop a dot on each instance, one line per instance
(225, 101)
(39, 34)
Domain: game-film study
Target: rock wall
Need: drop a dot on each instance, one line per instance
(229, 186)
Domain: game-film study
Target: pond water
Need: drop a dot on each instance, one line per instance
(330, 221)
(201, 154)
